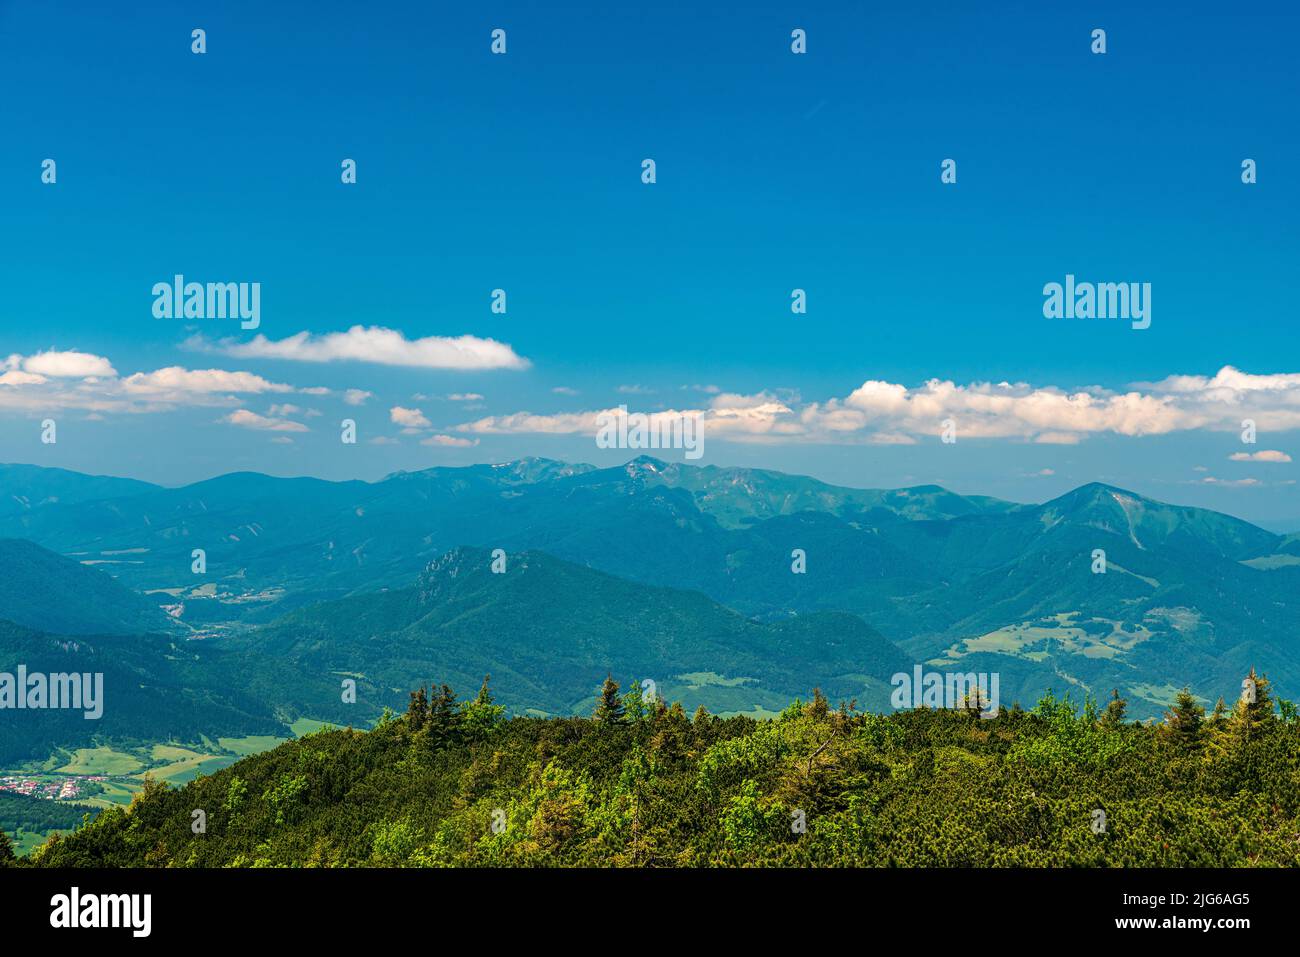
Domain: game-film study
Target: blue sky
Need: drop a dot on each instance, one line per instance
(775, 171)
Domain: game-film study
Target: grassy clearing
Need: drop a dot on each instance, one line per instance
(102, 760)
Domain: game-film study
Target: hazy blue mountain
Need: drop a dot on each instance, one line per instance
(27, 488)
(740, 496)
(1189, 597)
(549, 632)
(268, 539)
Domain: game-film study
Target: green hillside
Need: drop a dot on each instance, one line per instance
(649, 786)
(155, 688)
(43, 590)
(548, 631)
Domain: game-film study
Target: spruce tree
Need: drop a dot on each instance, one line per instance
(479, 717)
(417, 713)
(1249, 717)
(819, 707)
(444, 720)
(1116, 708)
(7, 856)
(1183, 723)
(610, 708)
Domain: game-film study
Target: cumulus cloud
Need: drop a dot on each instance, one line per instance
(251, 420)
(465, 397)
(410, 418)
(1265, 455)
(76, 380)
(374, 344)
(19, 377)
(176, 380)
(567, 423)
(736, 415)
(65, 365)
(882, 412)
(449, 441)
(356, 396)
(564, 390)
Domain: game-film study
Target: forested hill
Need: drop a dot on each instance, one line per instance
(643, 785)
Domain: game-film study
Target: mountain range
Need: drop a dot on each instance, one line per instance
(683, 575)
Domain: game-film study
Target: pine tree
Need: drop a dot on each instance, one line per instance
(635, 705)
(819, 707)
(444, 719)
(1183, 723)
(1116, 708)
(7, 856)
(610, 708)
(701, 715)
(417, 713)
(1251, 717)
(480, 716)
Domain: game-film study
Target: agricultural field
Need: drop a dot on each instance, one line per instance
(109, 775)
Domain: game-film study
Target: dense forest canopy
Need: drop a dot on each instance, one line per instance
(642, 783)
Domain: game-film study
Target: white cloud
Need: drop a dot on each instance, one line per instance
(635, 390)
(19, 377)
(564, 390)
(1234, 483)
(569, 423)
(1264, 455)
(356, 396)
(175, 380)
(69, 365)
(449, 441)
(288, 408)
(881, 412)
(73, 380)
(375, 344)
(465, 397)
(410, 418)
(251, 420)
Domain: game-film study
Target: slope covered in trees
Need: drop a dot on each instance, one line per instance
(643, 784)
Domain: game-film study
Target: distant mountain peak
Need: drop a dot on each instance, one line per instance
(1095, 495)
(648, 464)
